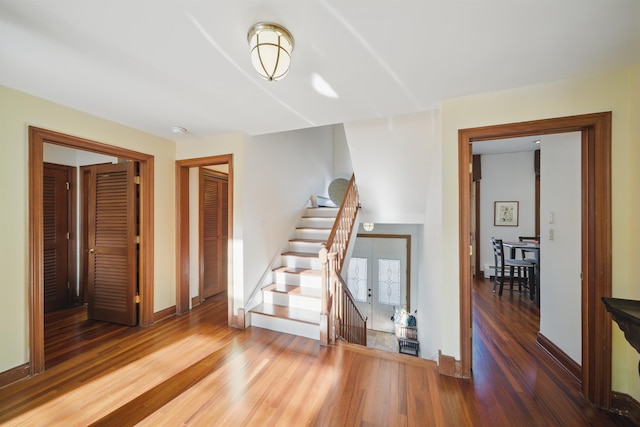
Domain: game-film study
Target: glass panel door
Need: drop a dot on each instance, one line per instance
(377, 277)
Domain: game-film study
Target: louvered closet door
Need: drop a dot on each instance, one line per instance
(112, 242)
(55, 222)
(214, 233)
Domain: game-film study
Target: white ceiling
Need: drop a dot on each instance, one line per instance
(156, 64)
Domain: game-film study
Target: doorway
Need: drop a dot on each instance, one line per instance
(596, 239)
(183, 255)
(378, 277)
(37, 138)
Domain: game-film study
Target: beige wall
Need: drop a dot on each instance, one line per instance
(618, 92)
(17, 112)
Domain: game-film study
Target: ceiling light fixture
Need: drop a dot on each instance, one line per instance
(271, 47)
(368, 226)
(178, 129)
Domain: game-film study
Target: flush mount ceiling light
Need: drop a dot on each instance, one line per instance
(271, 47)
(368, 226)
(178, 129)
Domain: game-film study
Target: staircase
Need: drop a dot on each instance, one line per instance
(291, 304)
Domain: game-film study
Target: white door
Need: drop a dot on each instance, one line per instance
(377, 278)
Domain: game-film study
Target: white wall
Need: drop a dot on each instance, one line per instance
(561, 256)
(342, 165)
(506, 177)
(389, 157)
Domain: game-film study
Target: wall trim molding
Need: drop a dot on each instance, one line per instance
(13, 375)
(449, 366)
(161, 315)
(570, 365)
(196, 301)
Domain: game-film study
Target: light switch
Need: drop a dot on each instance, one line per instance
(552, 217)
(551, 234)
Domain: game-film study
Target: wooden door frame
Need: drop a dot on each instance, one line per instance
(596, 239)
(37, 137)
(182, 233)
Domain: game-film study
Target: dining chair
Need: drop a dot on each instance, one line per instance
(514, 265)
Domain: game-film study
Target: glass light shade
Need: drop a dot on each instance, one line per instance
(368, 226)
(271, 47)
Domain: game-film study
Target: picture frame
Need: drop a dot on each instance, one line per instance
(505, 213)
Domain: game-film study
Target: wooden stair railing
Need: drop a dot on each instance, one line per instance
(340, 316)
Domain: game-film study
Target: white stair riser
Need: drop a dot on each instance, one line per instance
(296, 301)
(312, 281)
(305, 247)
(313, 233)
(302, 262)
(317, 222)
(286, 326)
(328, 212)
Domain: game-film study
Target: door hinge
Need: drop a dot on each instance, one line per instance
(470, 250)
(470, 167)
(136, 179)
(67, 183)
(138, 240)
(67, 235)
(137, 298)
(68, 285)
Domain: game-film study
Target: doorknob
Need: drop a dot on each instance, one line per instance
(91, 250)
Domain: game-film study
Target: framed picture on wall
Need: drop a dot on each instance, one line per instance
(505, 213)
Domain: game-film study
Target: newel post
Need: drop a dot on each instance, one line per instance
(324, 315)
(333, 280)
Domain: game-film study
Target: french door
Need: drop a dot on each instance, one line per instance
(377, 278)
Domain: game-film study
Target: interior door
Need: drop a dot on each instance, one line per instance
(56, 181)
(215, 238)
(112, 257)
(377, 277)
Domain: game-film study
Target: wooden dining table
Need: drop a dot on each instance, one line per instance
(529, 246)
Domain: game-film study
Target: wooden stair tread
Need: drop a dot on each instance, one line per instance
(284, 312)
(309, 240)
(294, 290)
(313, 228)
(301, 254)
(294, 270)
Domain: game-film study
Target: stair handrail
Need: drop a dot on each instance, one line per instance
(338, 304)
(338, 239)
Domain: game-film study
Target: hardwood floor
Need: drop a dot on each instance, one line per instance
(193, 370)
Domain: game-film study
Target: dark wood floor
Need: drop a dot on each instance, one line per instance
(193, 370)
